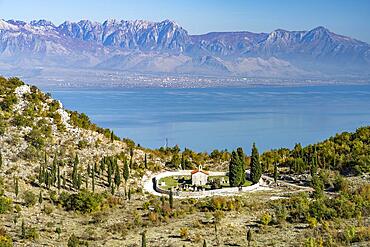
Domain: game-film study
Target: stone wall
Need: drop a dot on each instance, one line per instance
(221, 192)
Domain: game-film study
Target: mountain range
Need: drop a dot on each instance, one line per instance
(166, 47)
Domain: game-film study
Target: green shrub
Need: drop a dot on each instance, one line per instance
(341, 184)
(20, 121)
(45, 128)
(35, 138)
(218, 215)
(6, 241)
(184, 232)
(84, 201)
(153, 217)
(29, 198)
(218, 203)
(1, 179)
(73, 241)
(362, 234)
(281, 214)
(82, 144)
(312, 222)
(318, 186)
(80, 120)
(5, 204)
(32, 233)
(3, 126)
(48, 209)
(58, 230)
(320, 210)
(266, 218)
(298, 207)
(54, 105)
(30, 153)
(312, 242)
(7, 103)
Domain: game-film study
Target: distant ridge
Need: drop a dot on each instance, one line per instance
(166, 47)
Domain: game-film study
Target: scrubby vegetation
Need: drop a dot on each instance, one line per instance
(322, 213)
(84, 201)
(348, 153)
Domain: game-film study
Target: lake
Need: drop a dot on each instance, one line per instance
(223, 118)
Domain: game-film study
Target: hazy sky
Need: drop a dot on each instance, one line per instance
(348, 17)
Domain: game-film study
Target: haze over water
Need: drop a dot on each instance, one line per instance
(219, 118)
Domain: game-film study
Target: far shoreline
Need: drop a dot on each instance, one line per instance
(128, 86)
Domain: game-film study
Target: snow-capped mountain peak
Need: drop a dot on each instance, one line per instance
(42, 23)
(4, 25)
(166, 46)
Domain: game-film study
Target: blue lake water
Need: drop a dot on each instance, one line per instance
(210, 118)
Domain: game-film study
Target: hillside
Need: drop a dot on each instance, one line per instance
(165, 47)
(66, 182)
(347, 153)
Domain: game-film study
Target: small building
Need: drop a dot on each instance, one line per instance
(199, 177)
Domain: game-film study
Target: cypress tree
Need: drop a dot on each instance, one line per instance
(77, 160)
(126, 171)
(313, 168)
(275, 172)
(143, 239)
(204, 243)
(1, 159)
(112, 189)
(40, 198)
(241, 166)
(145, 162)
(64, 181)
(256, 168)
(171, 199)
(41, 175)
(93, 179)
(117, 177)
(129, 194)
(23, 230)
(75, 172)
(59, 182)
(16, 185)
(79, 181)
(249, 236)
(102, 166)
(88, 170)
(216, 233)
(47, 179)
(234, 170)
(87, 181)
(126, 174)
(131, 157)
(111, 136)
(109, 173)
(54, 170)
(95, 168)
